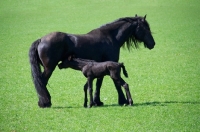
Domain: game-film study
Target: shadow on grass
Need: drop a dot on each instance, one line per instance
(155, 103)
(66, 107)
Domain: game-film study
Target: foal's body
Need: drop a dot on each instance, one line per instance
(92, 70)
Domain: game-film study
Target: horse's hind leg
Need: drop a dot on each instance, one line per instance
(121, 98)
(50, 54)
(128, 94)
(45, 98)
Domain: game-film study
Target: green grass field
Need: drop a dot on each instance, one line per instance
(164, 82)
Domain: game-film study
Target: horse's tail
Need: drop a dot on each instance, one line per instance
(124, 69)
(35, 67)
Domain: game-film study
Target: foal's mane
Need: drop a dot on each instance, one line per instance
(131, 40)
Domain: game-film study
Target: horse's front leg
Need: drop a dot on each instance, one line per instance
(97, 100)
(90, 82)
(85, 93)
(128, 94)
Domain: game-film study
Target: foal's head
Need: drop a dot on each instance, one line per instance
(65, 63)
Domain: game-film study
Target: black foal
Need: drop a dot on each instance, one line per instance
(92, 70)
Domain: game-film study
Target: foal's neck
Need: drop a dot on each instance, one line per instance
(78, 64)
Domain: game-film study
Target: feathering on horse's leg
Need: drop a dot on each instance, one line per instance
(46, 75)
(121, 98)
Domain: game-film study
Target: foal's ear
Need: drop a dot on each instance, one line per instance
(135, 15)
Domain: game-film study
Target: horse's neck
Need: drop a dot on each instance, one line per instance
(121, 31)
(125, 32)
(113, 27)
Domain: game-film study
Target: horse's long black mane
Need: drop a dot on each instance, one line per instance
(131, 41)
(126, 19)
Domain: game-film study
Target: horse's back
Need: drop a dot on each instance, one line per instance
(54, 37)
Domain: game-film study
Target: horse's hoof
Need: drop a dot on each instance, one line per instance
(85, 105)
(91, 104)
(131, 104)
(122, 103)
(98, 103)
(44, 105)
(125, 104)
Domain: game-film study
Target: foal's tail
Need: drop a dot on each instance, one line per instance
(35, 67)
(124, 69)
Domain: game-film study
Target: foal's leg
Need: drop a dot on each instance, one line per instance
(121, 98)
(97, 100)
(85, 92)
(90, 80)
(128, 94)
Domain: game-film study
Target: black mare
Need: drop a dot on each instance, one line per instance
(100, 44)
(92, 70)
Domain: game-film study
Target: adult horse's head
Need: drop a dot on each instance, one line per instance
(143, 32)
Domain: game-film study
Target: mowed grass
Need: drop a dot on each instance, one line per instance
(164, 82)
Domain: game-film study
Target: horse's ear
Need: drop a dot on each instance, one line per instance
(145, 17)
(135, 15)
